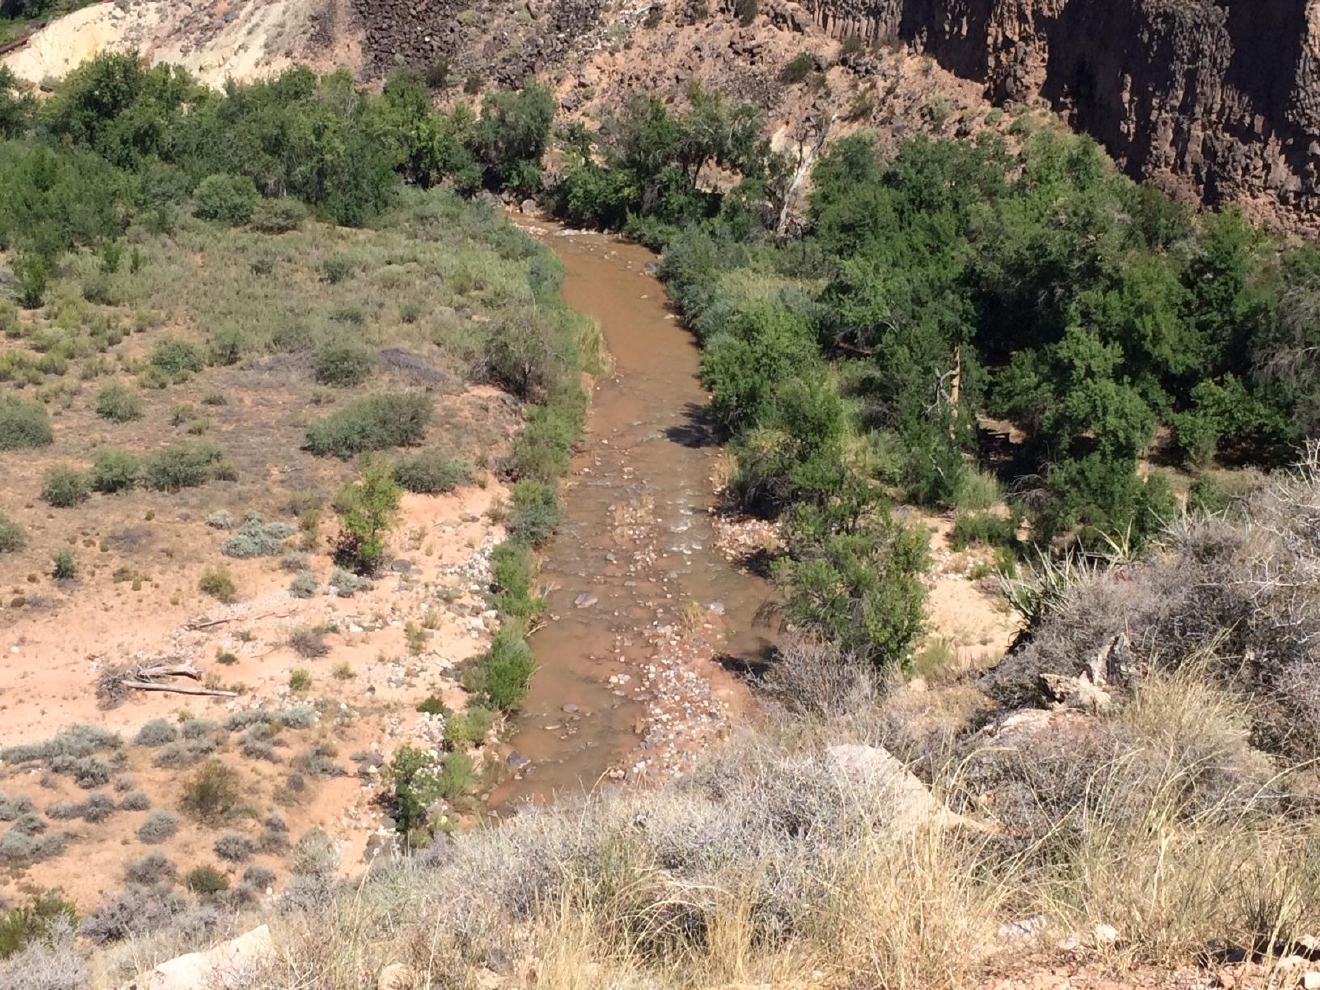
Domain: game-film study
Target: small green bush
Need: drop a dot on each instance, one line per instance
(984, 528)
(114, 471)
(159, 826)
(303, 585)
(797, 68)
(177, 358)
(229, 199)
(65, 566)
(375, 422)
(118, 404)
(278, 216)
(184, 466)
(337, 268)
(431, 473)
(64, 487)
(157, 732)
(343, 363)
(513, 566)
(12, 537)
(534, 513)
(300, 679)
(470, 727)
(501, 676)
(432, 705)
(206, 881)
(256, 538)
(367, 510)
(151, 869)
(212, 792)
(218, 583)
(234, 847)
(24, 424)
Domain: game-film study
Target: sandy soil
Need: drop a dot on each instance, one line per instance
(214, 39)
(439, 576)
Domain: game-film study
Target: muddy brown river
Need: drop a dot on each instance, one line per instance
(634, 562)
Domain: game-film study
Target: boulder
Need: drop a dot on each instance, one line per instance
(909, 802)
(397, 976)
(1078, 693)
(231, 964)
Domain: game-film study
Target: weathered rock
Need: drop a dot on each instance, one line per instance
(1075, 692)
(235, 963)
(517, 760)
(1217, 100)
(908, 801)
(397, 976)
(585, 600)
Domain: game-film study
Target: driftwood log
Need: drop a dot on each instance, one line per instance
(114, 683)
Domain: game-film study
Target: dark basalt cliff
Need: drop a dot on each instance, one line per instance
(1218, 97)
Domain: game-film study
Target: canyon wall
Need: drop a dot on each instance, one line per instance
(1217, 98)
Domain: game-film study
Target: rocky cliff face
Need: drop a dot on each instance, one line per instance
(1219, 98)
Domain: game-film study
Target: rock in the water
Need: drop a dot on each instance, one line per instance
(570, 709)
(528, 206)
(585, 600)
(517, 760)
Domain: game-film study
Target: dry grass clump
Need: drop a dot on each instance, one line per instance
(1250, 585)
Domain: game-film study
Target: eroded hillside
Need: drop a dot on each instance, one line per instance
(1214, 101)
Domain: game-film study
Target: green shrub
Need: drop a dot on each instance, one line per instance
(229, 199)
(206, 881)
(514, 564)
(1207, 496)
(432, 705)
(12, 537)
(32, 922)
(256, 538)
(235, 847)
(984, 528)
(278, 216)
(413, 773)
(218, 583)
(159, 826)
(542, 450)
(303, 585)
(500, 677)
(337, 268)
(526, 357)
(157, 732)
(367, 509)
(65, 566)
(431, 473)
(534, 513)
(64, 487)
(470, 727)
(24, 424)
(117, 403)
(375, 422)
(183, 466)
(177, 358)
(114, 471)
(212, 792)
(797, 68)
(300, 679)
(226, 347)
(746, 11)
(343, 363)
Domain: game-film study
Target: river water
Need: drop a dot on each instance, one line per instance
(635, 553)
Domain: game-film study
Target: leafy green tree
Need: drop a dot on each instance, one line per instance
(367, 509)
